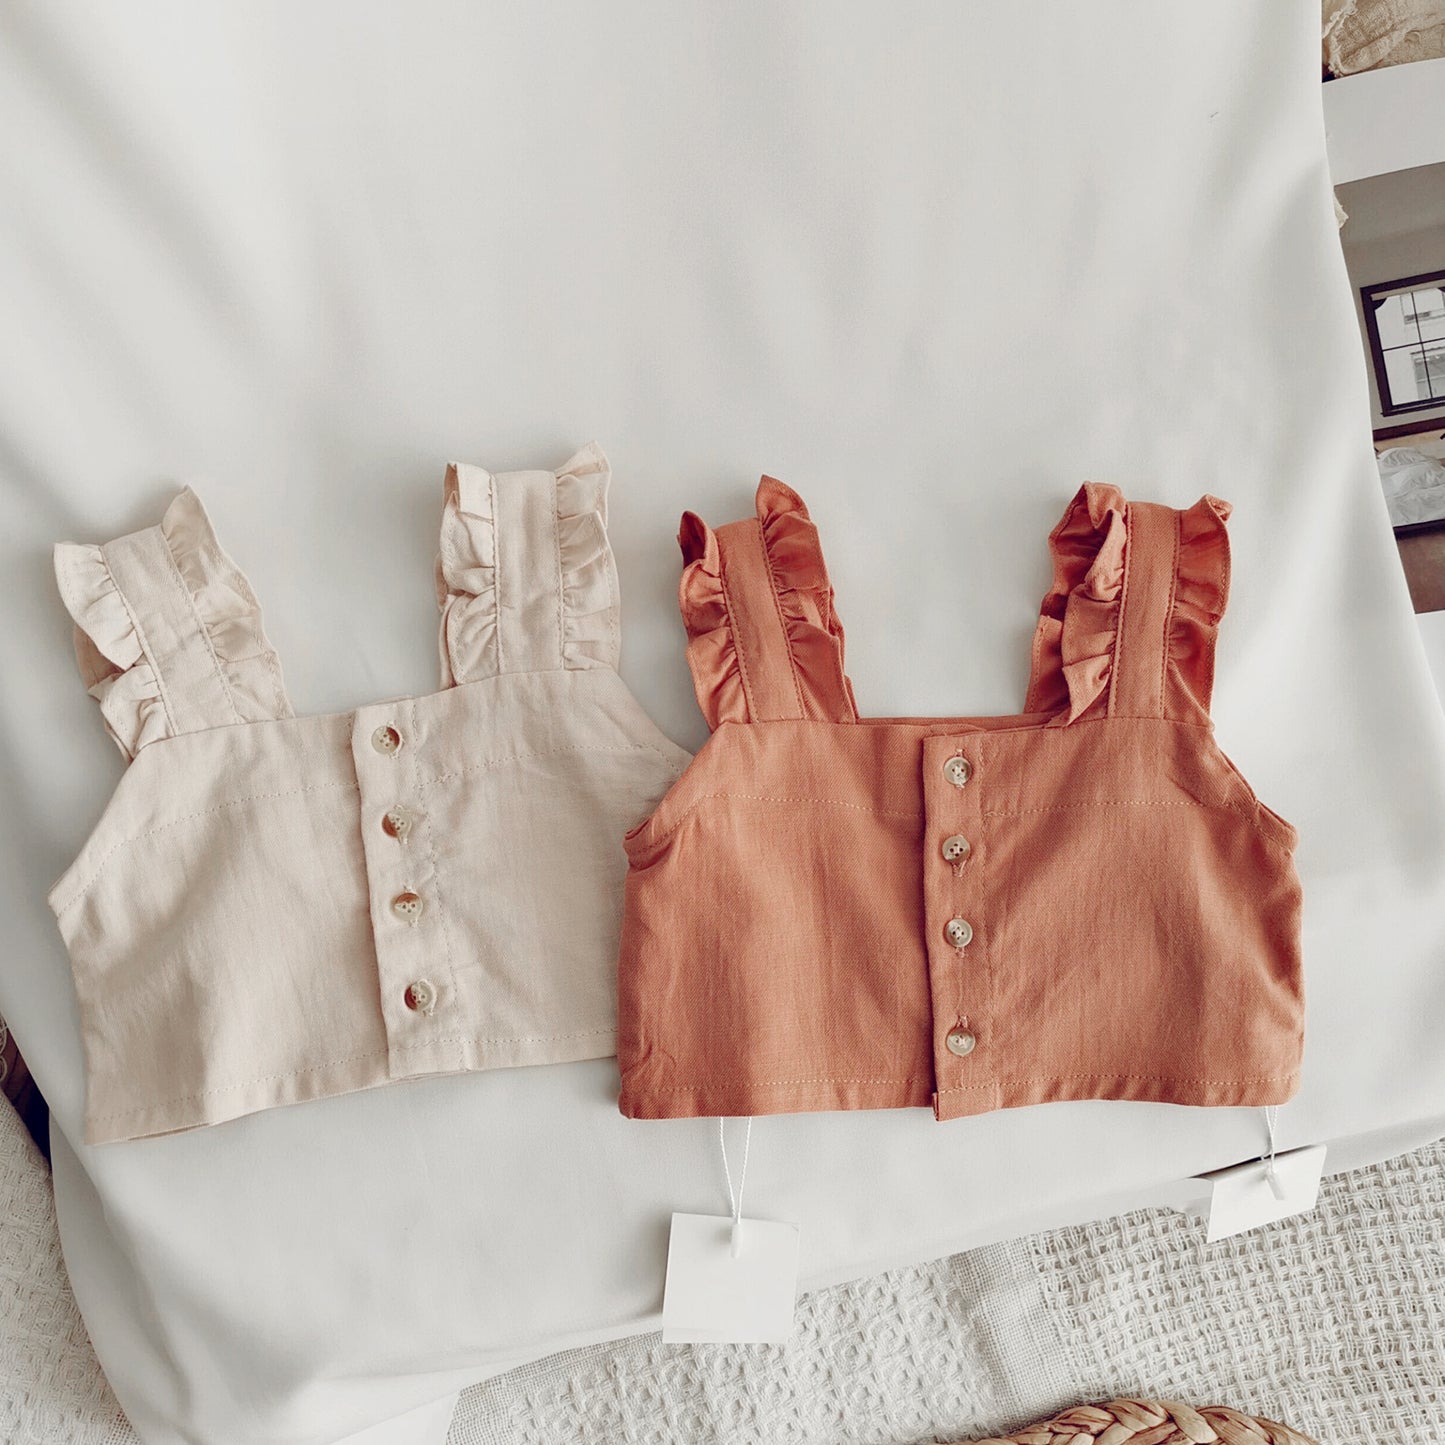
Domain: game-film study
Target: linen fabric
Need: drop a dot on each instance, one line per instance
(299, 250)
(274, 908)
(1083, 901)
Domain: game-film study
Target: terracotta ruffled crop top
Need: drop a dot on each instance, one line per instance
(1084, 901)
(277, 908)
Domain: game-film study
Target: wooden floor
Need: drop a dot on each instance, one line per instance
(1422, 554)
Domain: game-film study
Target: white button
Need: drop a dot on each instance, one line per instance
(386, 739)
(959, 932)
(960, 1042)
(396, 823)
(956, 848)
(407, 906)
(958, 770)
(421, 996)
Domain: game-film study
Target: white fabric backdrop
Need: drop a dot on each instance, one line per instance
(931, 264)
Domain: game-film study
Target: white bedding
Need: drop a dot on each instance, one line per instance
(933, 265)
(1414, 485)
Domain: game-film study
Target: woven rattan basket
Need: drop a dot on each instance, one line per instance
(1151, 1422)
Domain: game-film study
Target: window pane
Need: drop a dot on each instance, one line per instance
(1406, 372)
(1390, 320)
(1435, 370)
(1429, 307)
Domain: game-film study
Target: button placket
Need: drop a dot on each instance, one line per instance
(398, 869)
(954, 782)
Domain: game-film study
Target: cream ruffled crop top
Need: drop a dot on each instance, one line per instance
(276, 908)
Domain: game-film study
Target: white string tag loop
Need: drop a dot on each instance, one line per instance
(1276, 1187)
(735, 1202)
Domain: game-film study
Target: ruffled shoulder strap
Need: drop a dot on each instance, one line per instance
(525, 577)
(1128, 627)
(168, 632)
(764, 639)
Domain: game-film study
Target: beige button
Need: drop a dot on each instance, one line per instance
(960, 1042)
(958, 770)
(956, 848)
(386, 739)
(421, 996)
(407, 906)
(959, 932)
(396, 823)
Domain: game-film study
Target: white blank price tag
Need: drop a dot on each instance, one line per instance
(713, 1298)
(1241, 1197)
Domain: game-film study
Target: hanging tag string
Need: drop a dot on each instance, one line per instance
(1271, 1118)
(735, 1201)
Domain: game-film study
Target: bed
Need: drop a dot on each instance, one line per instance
(932, 265)
(1411, 462)
(1414, 486)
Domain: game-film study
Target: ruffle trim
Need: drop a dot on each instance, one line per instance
(712, 654)
(1079, 616)
(1077, 634)
(1201, 593)
(143, 695)
(802, 594)
(471, 642)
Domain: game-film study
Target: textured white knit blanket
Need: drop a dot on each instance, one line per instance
(1333, 1322)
